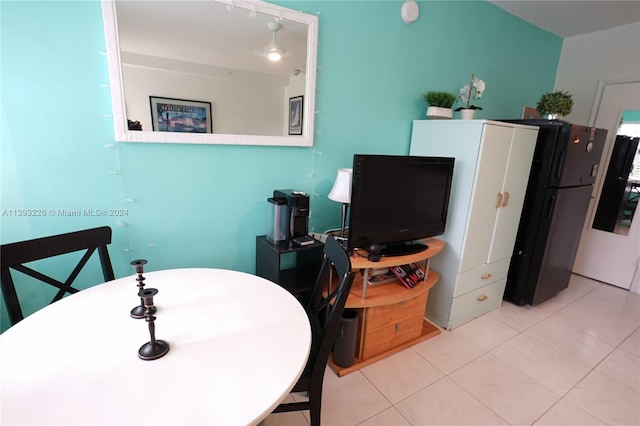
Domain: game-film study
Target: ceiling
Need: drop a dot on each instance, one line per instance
(210, 33)
(568, 18)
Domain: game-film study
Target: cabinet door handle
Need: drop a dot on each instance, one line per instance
(397, 328)
(499, 203)
(506, 199)
(486, 276)
(552, 205)
(482, 298)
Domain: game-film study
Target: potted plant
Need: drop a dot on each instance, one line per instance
(440, 104)
(555, 104)
(473, 90)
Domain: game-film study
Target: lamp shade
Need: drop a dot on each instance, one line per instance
(341, 191)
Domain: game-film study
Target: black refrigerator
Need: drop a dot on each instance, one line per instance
(565, 164)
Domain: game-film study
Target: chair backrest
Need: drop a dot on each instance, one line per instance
(15, 255)
(327, 304)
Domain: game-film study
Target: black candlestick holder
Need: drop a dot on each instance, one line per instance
(139, 311)
(153, 349)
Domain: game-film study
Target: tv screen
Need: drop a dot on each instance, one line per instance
(396, 200)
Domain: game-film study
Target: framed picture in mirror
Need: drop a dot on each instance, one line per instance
(295, 115)
(180, 115)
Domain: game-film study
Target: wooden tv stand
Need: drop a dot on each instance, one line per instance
(391, 317)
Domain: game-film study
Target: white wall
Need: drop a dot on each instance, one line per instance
(608, 55)
(242, 102)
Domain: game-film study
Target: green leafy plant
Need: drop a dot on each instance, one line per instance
(439, 99)
(558, 102)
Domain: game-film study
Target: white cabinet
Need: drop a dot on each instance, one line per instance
(492, 164)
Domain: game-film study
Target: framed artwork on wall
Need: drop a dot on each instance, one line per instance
(180, 115)
(295, 115)
(530, 112)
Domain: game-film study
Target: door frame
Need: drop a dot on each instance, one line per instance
(597, 100)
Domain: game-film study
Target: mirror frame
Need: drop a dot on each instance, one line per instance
(123, 134)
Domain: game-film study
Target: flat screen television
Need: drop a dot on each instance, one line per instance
(396, 200)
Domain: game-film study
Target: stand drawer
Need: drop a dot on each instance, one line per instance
(383, 339)
(481, 276)
(382, 316)
(476, 303)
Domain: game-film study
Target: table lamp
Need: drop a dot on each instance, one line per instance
(341, 192)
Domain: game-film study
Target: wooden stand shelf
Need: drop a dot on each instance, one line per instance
(391, 316)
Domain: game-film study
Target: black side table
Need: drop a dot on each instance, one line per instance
(293, 267)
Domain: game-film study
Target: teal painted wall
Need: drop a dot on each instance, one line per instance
(631, 116)
(193, 205)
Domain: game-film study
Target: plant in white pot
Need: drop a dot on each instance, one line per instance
(473, 90)
(555, 105)
(440, 104)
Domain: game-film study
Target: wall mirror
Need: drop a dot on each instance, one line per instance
(621, 188)
(196, 71)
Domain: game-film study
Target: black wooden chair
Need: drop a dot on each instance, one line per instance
(324, 312)
(15, 255)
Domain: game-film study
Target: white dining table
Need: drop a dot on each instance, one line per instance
(238, 344)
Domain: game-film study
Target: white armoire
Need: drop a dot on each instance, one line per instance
(492, 164)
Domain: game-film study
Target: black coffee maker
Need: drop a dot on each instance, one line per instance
(296, 213)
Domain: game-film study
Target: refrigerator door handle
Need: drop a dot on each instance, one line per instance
(499, 203)
(560, 164)
(552, 205)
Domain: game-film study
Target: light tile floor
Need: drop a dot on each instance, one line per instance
(572, 360)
